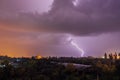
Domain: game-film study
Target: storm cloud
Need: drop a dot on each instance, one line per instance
(88, 17)
(45, 29)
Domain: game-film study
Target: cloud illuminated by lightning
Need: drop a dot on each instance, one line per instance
(76, 46)
(75, 2)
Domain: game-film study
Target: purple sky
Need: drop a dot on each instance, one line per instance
(42, 27)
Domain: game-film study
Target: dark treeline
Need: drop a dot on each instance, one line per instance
(49, 69)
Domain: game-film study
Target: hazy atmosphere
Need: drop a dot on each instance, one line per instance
(58, 27)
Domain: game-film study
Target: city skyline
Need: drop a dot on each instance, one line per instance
(42, 27)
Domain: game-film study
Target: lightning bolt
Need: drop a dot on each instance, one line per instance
(76, 46)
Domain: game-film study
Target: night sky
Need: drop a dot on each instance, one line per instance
(42, 27)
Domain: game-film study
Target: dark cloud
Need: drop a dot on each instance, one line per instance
(88, 17)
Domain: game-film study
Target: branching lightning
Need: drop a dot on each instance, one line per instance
(76, 46)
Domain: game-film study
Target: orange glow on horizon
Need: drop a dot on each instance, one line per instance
(12, 50)
(38, 57)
